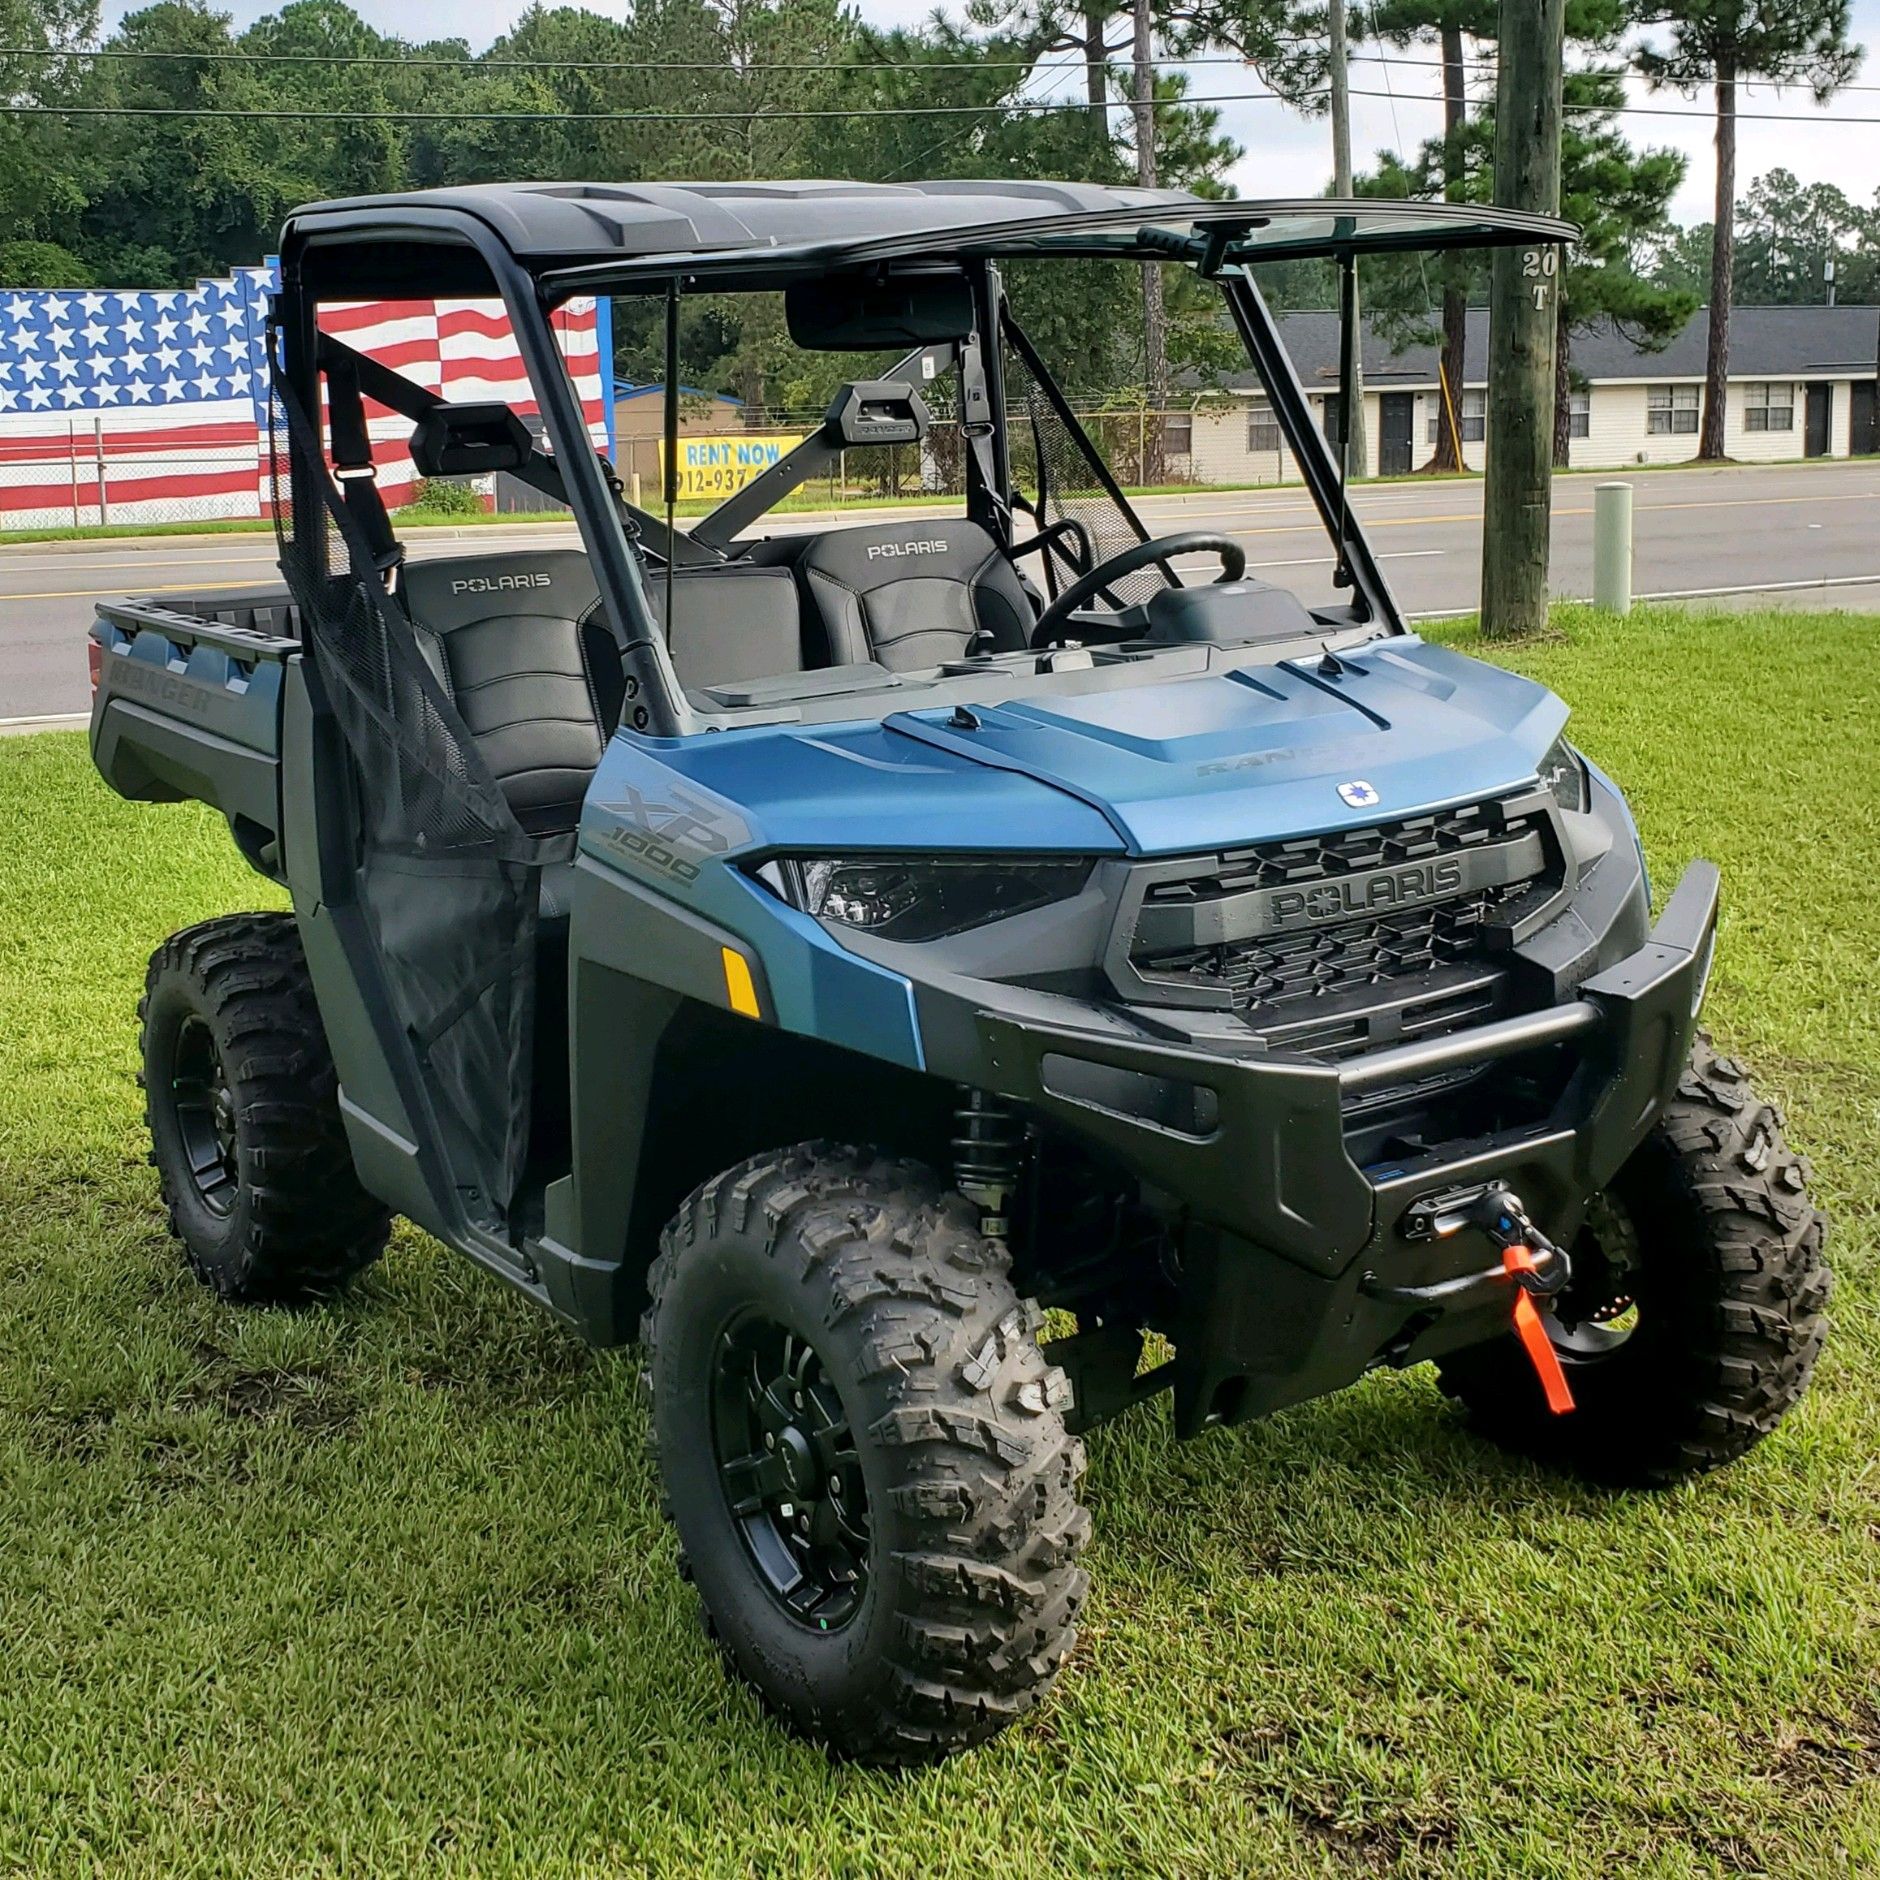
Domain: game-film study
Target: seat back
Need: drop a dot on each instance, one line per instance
(518, 643)
(912, 594)
(730, 624)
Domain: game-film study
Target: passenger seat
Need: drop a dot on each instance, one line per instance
(518, 643)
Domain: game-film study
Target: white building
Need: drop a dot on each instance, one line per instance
(1804, 382)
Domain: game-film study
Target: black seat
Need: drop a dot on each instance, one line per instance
(518, 643)
(730, 624)
(913, 594)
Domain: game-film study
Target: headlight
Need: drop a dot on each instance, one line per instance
(1564, 777)
(904, 897)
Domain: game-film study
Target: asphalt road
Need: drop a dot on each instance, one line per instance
(1697, 531)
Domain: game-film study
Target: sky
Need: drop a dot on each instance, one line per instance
(1287, 154)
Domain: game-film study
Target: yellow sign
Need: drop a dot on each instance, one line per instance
(713, 467)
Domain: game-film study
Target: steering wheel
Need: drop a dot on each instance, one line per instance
(1055, 619)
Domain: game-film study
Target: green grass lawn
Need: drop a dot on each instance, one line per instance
(382, 1587)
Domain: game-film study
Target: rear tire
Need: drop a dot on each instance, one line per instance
(243, 1105)
(1697, 1307)
(893, 1565)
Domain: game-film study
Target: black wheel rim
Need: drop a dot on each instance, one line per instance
(204, 1107)
(1598, 1311)
(792, 1478)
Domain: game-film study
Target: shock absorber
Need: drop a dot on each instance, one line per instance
(988, 1147)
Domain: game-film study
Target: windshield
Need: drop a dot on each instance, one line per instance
(901, 487)
(926, 506)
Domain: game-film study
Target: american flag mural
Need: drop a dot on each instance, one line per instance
(152, 406)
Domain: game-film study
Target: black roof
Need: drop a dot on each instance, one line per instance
(1765, 342)
(728, 226)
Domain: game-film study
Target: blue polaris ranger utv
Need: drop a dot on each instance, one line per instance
(939, 979)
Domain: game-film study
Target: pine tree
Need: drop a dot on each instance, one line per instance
(1721, 44)
(1448, 24)
(1621, 198)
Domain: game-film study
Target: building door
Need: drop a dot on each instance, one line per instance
(1396, 433)
(1865, 440)
(1820, 427)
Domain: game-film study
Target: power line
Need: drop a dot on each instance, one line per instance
(299, 115)
(477, 63)
(471, 63)
(1010, 104)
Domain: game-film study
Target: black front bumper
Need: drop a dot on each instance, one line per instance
(1300, 1269)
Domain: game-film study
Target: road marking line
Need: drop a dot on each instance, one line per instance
(144, 561)
(121, 592)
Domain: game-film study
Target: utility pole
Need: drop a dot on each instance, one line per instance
(1525, 285)
(1355, 454)
(1154, 318)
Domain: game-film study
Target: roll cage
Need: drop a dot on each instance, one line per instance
(537, 245)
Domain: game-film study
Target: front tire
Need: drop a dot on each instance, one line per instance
(243, 1105)
(1697, 1306)
(864, 1453)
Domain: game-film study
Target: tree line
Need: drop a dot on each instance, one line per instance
(311, 102)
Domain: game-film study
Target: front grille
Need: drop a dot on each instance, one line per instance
(1308, 965)
(1348, 852)
(1308, 981)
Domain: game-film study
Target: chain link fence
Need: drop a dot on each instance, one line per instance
(1218, 445)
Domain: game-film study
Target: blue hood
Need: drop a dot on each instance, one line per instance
(1246, 756)
(1183, 765)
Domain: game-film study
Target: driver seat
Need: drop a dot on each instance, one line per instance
(910, 595)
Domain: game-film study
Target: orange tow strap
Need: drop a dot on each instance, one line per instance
(1519, 1260)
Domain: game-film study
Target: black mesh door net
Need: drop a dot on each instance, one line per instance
(447, 879)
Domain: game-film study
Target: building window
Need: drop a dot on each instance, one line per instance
(1580, 412)
(1769, 406)
(1328, 419)
(1178, 434)
(1262, 426)
(1671, 410)
(1471, 415)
